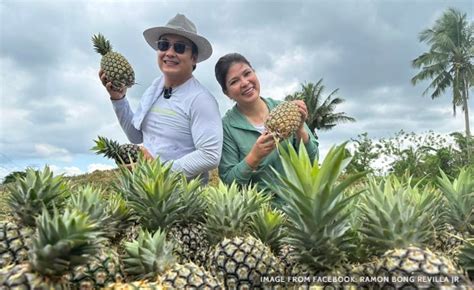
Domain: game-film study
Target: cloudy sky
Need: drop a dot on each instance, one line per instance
(53, 105)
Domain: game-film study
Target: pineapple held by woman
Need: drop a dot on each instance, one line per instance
(284, 120)
(122, 154)
(117, 69)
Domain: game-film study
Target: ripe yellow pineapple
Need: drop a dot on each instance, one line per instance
(116, 67)
(283, 120)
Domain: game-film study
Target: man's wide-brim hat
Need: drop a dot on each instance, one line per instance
(180, 25)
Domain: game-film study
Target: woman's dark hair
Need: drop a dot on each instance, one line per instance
(223, 65)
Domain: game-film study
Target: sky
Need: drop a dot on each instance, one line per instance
(52, 104)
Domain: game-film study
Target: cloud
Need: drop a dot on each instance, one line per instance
(52, 104)
(66, 171)
(98, 166)
(51, 151)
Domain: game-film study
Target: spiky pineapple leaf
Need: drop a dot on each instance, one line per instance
(63, 241)
(101, 44)
(152, 190)
(316, 205)
(395, 214)
(38, 189)
(459, 195)
(230, 208)
(148, 256)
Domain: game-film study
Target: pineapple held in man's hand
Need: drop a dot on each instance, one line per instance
(117, 69)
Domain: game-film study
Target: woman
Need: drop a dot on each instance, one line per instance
(249, 151)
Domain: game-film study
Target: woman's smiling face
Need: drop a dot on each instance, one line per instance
(242, 84)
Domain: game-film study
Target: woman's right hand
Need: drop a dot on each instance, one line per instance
(262, 147)
(114, 94)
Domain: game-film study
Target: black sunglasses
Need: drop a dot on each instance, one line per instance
(164, 45)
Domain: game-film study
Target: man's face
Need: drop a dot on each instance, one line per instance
(176, 64)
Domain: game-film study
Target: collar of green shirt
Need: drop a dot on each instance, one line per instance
(238, 120)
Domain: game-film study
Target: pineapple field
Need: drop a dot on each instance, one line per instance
(143, 226)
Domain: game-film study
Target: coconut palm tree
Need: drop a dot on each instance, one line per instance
(449, 62)
(321, 115)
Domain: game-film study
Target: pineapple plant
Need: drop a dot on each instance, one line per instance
(188, 233)
(283, 120)
(26, 199)
(458, 210)
(237, 258)
(104, 267)
(122, 154)
(317, 209)
(150, 258)
(163, 199)
(116, 67)
(61, 242)
(152, 191)
(268, 226)
(466, 257)
(399, 221)
(121, 214)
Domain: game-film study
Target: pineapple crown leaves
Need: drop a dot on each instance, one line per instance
(459, 195)
(63, 241)
(316, 206)
(120, 212)
(268, 226)
(153, 192)
(148, 256)
(101, 44)
(192, 200)
(90, 200)
(38, 189)
(397, 215)
(109, 148)
(466, 255)
(230, 208)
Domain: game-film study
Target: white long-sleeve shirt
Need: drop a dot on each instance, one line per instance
(185, 129)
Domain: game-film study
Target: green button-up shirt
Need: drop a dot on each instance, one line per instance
(239, 138)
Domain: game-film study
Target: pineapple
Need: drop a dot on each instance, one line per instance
(163, 199)
(116, 67)
(268, 226)
(27, 197)
(317, 210)
(122, 216)
(150, 258)
(104, 267)
(122, 154)
(152, 191)
(399, 222)
(237, 258)
(284, 120)
(459, 210)
(466, 257)
(61, 242)
(188, 233)
(14, 243)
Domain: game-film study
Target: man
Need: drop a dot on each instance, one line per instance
(178, 119)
